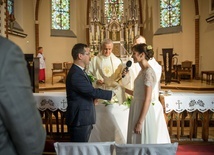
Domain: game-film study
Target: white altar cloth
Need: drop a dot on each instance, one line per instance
(111, 121)
(51, 101)
(111, 124)
(189, 101)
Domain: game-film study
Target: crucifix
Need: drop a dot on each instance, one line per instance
(179, 103)
(63, 103)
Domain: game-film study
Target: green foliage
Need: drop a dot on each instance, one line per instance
(128, 101)
(92, 78)
(114, 100)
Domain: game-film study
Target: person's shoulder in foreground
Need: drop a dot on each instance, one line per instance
(21, 129)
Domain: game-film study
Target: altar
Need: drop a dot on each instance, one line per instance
(180, 105)
(111, 121)
(111, 124)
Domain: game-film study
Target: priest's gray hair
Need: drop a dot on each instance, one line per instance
(106, 41)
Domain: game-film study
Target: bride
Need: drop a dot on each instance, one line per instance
(146, 124)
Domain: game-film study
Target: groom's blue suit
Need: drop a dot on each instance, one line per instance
(80, 98)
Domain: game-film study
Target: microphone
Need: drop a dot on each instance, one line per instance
(128, 64)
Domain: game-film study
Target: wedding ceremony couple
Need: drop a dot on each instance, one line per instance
(145, 121)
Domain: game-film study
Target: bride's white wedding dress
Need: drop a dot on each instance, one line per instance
(154, 128)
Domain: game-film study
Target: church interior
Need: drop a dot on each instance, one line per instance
(180, 32)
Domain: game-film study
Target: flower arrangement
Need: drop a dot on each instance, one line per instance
(112, 101)
(115, 100)
(128, 101)
(91, 78)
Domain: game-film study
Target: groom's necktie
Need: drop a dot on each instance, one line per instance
(86, 75)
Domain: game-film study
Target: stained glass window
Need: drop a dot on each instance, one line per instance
(170, 13)
(10, 6)
(111, 6)
(61, 14)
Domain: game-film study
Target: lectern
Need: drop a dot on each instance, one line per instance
(167, 60)
(33, 69)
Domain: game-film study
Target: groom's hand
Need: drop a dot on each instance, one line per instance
(99, 82)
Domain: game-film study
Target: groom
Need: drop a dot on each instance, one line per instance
(81, 95)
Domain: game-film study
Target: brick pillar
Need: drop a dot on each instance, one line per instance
(140, 17)
(87, 29)
(6, 20)
(36, 26)
(197, 53)
(197, 39)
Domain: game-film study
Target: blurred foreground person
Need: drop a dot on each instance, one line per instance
(21, 130)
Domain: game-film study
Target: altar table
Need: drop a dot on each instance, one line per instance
(192, 103)
(111, 121)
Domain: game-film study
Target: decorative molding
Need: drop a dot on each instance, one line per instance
(122, 29)
(210, 19)
(63, 33)
(17, 33)
(16, 29)
(169, 30)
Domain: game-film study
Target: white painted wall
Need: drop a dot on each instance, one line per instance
(183, 43)
(57, 49)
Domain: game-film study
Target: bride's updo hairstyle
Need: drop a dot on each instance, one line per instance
(147, 49)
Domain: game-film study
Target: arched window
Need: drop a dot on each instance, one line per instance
(170, 13)
(60, 12)
(109, 9)
(60, 18)
(170, 17)
(10, 12)
(10, 7)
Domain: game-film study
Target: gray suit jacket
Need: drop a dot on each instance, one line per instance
(21, 130)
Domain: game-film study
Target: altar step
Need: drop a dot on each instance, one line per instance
(185, 85)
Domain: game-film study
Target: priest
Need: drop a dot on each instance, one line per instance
(112, 121)
(107, 70)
